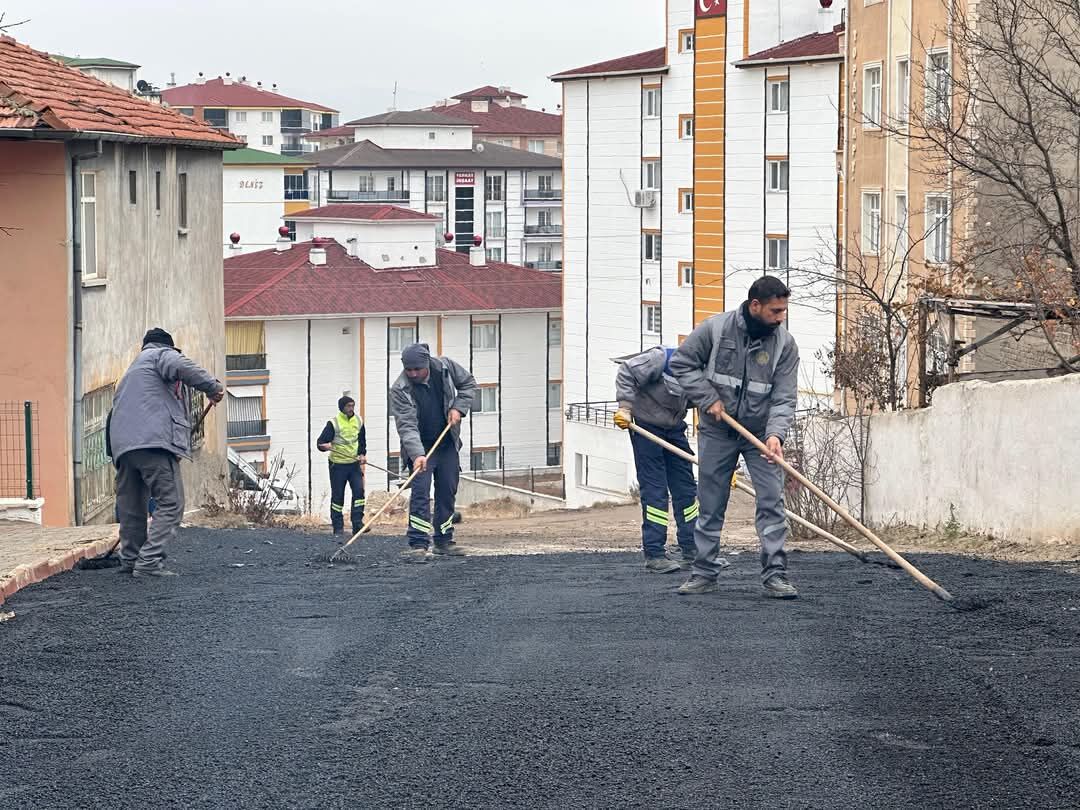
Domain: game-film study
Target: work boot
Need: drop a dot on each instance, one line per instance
(417, 555)
(778, 587)
(697, 584)
(686, 559)
(449, 550)
(154, 572)
(660, 565)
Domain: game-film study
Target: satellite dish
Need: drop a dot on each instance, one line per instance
(479, 147)
(143, 85)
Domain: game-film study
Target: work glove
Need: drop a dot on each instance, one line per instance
(734, 478)
(623, 418)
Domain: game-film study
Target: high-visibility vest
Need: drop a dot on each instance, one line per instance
(345, 446)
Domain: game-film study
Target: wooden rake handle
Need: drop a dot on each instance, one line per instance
(678, 451)
(370, 521)
(915, 573)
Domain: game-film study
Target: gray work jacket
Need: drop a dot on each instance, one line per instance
(459, 392)
(646, 387)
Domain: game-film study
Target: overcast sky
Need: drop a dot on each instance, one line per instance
(347, 54)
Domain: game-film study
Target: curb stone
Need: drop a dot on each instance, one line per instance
(31, 573)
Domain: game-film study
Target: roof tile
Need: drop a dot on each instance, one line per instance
(215, 93)
(655, 59)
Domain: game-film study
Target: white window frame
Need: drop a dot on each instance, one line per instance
(268, 116)
(651, 319)
(903, 235)
(651, 177)
(241, 116)
(938, 241)
(652, 247)
(545, 253)
(777, 255)
(779, 176)
(435, 188)
(903, 90)
(485, 337)
(487, 399)
(483, 454)
(554, 395)
(872, 96)
(495, 254)
(686, 201)
(779, 96)
(686, 42)
(536, 146)
(396, 337)
(650, 102)
(494, 225)
(431, 136)
(391, 183)
(267, 140)
(88, 246)
(938, 105)
(493, 188)
(365, 182)
(870, 203)
(555, 332)
(686, 275)
(686, 130)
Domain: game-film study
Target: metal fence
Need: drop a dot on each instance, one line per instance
(593, 413)
(20, 461)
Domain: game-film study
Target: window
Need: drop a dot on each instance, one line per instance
(686, 200)
(686, 41)
(554, 395)
(291, 225)
(495, 228)
(493, 188)
(88, 225)
(901, 225)
(650, 318)
(545, 254)
(485, 336)
(871, 222)
(268, 116)
(181, 200)
(431, 136)
(777, 253)
(157, 192)
(544, 182)
(133, 188)
(216, 118)
(686, 127)
(398, 337)
(391, 183)
(487, 400)
(267, 140)
(778, 96)
(938, 87)
(872, 96)
(650, 102)
(903, 90)
(536, 146)
(686, 274)
(495, 254)
(188, 111)
(650, 174)
(651, 246)
(555, 332)
(240, 116)
(393, 464)
(296, 187)
(937, 229)
(554, 455)
(435, 188)
(778, 175)
(543, 219)
(365, 183)
(485, 460)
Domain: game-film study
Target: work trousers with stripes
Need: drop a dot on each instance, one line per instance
(445, 466)
(340, 475)
(719, 453)
(660, 472)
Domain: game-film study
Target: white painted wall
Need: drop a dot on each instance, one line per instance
(381, 244)
(400, 137)
(599, 465)
(249, 125)
(254, 203)
(979, 451)
(121, 77)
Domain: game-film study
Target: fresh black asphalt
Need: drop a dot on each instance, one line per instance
(550, 681)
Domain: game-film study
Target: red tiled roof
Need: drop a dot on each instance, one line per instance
(807, 48)
(499, 120)
(38, 92)
(646, 61)
(271, 284)
(215, 93)
(332, 132)
(487, 91)
(359, 211)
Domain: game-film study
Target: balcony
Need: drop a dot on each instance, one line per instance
(297, 149)
(396, 195)
(247, 429)
(245, 362)
(545, 265)
(543, 231)
(545, 195)
(297, 194)
(293, 121)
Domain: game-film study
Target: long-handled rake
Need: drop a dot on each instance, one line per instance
(341, 555)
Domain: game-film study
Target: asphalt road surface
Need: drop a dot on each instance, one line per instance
(551, 681)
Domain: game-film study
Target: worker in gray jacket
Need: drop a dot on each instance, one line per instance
(650, 396)
(431, 393)
(149, 431)
(745, 363)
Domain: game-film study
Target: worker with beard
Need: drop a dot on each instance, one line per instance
(745, 363)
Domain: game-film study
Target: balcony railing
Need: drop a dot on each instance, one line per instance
(297, 149)
(543, 194)
(543, 230)
(245, 362)
(397, 195)
(592, 413)
(547, 265)
(297, 194)
(247, 428)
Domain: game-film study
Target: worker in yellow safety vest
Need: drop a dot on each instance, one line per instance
(345, 439)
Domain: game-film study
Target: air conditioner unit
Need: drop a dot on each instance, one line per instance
(644, 198)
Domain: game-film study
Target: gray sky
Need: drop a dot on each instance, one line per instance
(348, 53)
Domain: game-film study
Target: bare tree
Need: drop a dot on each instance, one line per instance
(5, 26)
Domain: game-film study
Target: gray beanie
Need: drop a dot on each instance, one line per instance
(418, 355)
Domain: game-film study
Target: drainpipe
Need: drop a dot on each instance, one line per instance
(77, 329)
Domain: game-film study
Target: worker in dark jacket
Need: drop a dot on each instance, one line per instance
(746, 364)
(345, 439)
(649, 395)
(430, 394)
(149, 432)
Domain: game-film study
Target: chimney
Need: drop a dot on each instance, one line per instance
(172, 80)
(825, 18)
(283, 243)
(228, 78)
(478, 257)
(317, 255)
(200, 79)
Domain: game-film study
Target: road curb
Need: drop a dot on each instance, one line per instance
(31, 573)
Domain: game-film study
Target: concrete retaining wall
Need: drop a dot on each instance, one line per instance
(472, 492)
(1002, 456)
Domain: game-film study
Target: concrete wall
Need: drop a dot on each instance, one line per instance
(401, 137)
(1000, 454)
(254, 202)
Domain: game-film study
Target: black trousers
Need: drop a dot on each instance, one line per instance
(340, 475)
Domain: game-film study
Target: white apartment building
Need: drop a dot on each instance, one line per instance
(262, 118)
(259, 190)
(329, 314)
(690, 170)
(428, 162)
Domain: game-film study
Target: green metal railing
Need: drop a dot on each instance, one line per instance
(19, 454)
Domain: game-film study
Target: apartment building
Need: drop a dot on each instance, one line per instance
(260, 189)
(329, 314)
(261, 117)
(428, 162)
